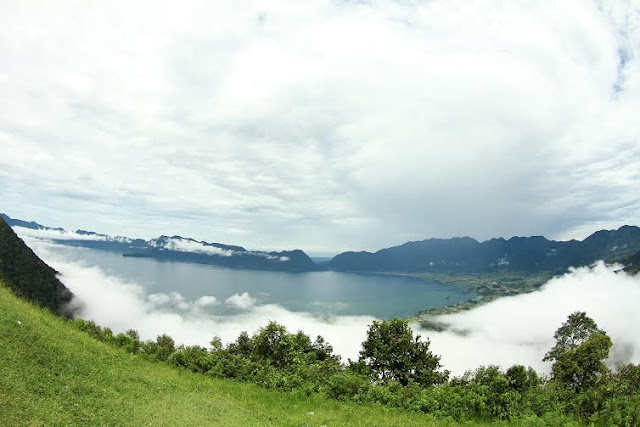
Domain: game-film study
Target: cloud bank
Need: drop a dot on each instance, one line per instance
(520, 329)
(189, 245)
(52, 234)
(329, 125)
(505, 332)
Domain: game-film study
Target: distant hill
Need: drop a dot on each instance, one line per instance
(174, 248)
(524, 254)
(28, 276)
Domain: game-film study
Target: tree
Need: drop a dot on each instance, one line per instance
(579, 354)
(323, 350)
(242, 345)
(164, 346)
(390, 352)
(274, 345)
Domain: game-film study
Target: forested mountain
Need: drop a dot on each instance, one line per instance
(526, 254)
(457, 255)
(175, 248)
(28, 276)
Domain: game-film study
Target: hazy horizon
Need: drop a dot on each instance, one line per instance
(55, 235)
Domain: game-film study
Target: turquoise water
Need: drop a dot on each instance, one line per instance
(325, 292)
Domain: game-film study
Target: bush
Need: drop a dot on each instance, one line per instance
(194, 358)
(347, 385)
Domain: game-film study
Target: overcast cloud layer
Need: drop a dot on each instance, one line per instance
(325, 125)
(511, 330)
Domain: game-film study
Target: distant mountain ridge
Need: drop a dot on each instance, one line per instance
(455, 255)
(464, 254)
(174, 248)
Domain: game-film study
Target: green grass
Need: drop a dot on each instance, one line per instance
(53, 374)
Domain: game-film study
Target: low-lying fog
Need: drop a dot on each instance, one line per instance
(507, 331)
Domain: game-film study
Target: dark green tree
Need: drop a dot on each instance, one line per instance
(323, 350)
(164, 346)
(391, 352)
(579, 354)
(242, 346)
(274, 345)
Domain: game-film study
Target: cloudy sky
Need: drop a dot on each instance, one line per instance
(324, 125)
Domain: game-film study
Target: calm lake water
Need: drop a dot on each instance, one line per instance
(326, 292)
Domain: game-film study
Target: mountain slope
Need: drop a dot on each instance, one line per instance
(524, 254)
(632, 264)
(53, 374)
(28, 276)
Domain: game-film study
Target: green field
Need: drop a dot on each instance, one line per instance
(53, 374)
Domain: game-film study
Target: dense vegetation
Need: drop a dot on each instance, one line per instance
(27, 275)
(397, 369)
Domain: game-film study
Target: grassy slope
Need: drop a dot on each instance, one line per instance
(51, 373)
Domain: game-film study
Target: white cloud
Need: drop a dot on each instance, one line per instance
(242, 301)
(159, 299)
(313, 126)
(56, 234)
(188, 245)
(520, 329)
(206, 301)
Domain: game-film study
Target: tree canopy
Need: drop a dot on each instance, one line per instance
(579, 354)
(391, 352)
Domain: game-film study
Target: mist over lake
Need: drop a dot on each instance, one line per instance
(193, 303)
(319, 293)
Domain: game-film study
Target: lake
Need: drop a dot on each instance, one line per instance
(320, 293)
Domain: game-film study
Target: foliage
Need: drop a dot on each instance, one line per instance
(391, 352)
(579, 353)
(488, 393)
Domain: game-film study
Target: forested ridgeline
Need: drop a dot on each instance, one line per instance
(28, 276)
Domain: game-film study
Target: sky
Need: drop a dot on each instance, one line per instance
(321, 125)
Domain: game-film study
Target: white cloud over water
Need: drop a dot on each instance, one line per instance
(510, 330)
(189, 245)
(56, 234)
(242, 301)
(206, 301)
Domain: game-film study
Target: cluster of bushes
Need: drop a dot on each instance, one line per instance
(397, 369)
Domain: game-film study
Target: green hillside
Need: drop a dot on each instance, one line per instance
(53, 374)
